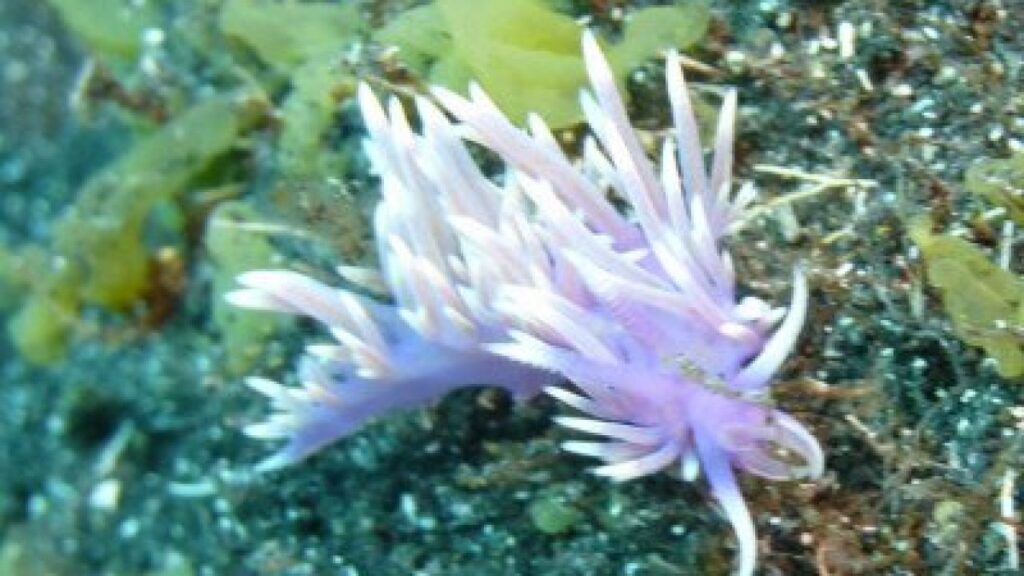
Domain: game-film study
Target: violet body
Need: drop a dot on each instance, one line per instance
(536, 281)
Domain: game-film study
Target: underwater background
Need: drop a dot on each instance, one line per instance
(151, 150)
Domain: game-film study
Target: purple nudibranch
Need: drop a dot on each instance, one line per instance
(538, 282)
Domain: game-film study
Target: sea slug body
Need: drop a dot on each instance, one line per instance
(540, 281)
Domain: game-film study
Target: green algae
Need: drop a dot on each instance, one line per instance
(46, 306)
(234, 246)
(656, 28)
(102, 248)
(525, 54)
(101, 234)
(984, 302)
(309, 54)
(40, 328)
(99, 253)
(288, 34)
(308, 167)
(420, 34)
(318, 88)
(552, 516)
(1000, 181)
(111, 28)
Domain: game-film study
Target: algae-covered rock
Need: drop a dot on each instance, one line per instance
(525, 54)
(285, 34)
(1001, 181)
(110, 27)
(235, 245)
(984, 302)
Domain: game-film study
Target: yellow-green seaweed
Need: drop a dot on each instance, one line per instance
(42, 291)
(285, 34)
(525, 54)
(109, 27)
(1001, 181)
(310, 172)
(318, 87)
(309, 52)
(101, 234)
(421, 35)
(40, 328)
(98, 253)
(657, 28)
(235, 246)
(984, 302)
